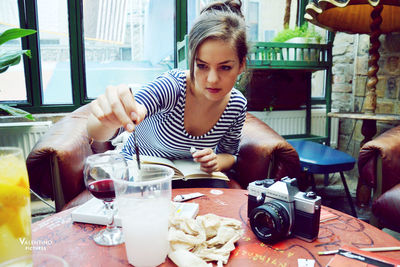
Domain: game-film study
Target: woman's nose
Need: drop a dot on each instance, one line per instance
(212, 76)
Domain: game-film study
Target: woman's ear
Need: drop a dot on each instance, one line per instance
(242, 67)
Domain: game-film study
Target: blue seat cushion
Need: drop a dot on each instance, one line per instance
(322, 159)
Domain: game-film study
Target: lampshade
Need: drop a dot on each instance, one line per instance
(353, 16)
(371, 17)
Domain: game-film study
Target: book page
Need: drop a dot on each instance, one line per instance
(144, 159)
(191, 170)
(151, 159)
(184, 168)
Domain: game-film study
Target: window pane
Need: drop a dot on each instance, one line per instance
(271, 15)
(54, 51)
(12, 82)
(264, 18)
(318, 83)
(127, 42)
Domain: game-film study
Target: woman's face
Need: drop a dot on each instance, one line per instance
(216, 68)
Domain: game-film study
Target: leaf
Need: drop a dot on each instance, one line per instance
(10, 58)
(3, 69)
(17, 112)
(14, 33)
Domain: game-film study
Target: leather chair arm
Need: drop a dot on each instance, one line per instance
(387, 146)
(263, 153)
(55, 164)
(387, 208)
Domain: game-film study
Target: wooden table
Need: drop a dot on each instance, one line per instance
(58, 235)
(368, 127)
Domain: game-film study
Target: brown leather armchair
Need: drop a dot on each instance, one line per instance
(55, 164)
(379, 169)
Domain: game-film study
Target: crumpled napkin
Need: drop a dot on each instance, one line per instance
(194, 242)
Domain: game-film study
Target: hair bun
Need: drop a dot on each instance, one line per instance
(225, 6)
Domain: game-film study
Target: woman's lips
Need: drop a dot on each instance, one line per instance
(213, 90)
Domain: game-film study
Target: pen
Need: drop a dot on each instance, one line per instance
(181, 198)
(136, 149)
(378, 249)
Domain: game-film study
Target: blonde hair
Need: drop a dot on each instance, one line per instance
(222, 20)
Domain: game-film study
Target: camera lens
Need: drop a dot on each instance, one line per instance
(270, 222)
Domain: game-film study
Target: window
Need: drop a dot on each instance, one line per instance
(84, 45)
(253, 21)
(127, 42)
(54, 52)
(12, 82)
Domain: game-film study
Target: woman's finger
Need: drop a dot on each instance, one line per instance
(209, 166)
(205, 155)
(118, 108)
(96, 110)
(129, 102)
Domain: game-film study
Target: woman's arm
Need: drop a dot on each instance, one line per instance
(225, 161)
(112, 110)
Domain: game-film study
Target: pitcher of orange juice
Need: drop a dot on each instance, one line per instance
(15, 211)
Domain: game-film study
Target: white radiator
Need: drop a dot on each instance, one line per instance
(289, 122)
(22, 134)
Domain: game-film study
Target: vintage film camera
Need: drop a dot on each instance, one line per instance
(277, 209)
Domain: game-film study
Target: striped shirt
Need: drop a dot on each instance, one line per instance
(162, 132)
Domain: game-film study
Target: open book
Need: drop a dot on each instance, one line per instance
(185, 169)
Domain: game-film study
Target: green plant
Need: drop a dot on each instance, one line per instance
(242, 81)
(303, 31)
(11, 58)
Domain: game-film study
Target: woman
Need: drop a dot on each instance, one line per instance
(183, 109)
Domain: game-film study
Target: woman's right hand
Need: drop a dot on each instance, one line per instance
(116, 108)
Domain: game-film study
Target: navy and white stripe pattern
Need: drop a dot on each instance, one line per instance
(162, 132)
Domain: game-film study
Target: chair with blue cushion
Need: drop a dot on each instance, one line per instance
(316, 158)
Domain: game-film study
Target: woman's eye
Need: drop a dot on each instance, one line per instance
(201, 66)
(226, 67)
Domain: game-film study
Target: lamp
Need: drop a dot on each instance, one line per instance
(372, 17)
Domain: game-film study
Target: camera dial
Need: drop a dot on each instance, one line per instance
(310, 195)
(270, 222)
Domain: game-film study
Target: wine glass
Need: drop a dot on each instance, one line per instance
(98, 174)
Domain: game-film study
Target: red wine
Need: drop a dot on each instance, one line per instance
(102, 189)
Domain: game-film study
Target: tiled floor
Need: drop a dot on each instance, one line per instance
(332, 195)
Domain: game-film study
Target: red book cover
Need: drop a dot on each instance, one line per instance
(351, 256)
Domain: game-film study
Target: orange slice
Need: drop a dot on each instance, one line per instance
(5, 214)
(12, 195)
(19, 224)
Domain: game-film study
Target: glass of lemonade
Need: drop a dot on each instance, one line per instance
(15, 211)
(144, 205)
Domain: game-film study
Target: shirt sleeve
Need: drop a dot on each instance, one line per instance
(159, 95)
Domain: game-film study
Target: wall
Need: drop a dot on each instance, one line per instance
(350, 66)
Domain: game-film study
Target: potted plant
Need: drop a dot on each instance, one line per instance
(11, 58)
(302, 34)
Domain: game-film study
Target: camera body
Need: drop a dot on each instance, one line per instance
(277, 209)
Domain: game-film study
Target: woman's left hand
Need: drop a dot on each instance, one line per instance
(207, 159)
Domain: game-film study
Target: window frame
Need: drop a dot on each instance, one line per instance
(32, 66)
